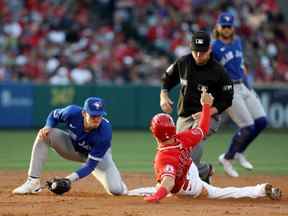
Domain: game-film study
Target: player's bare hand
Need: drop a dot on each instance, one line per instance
(206, 98)
(43, 133)
(166, 103)
(196, 116)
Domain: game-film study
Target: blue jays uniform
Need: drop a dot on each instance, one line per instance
(230, 56)
(94, 143)
(246, 110)
(93, 146)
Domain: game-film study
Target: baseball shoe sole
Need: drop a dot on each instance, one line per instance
(211, 172)
(273, 193)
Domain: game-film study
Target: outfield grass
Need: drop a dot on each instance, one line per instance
(134, 151)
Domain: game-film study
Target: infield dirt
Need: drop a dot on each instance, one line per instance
(87, 198)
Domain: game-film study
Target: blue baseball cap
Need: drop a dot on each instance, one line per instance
(94, 106)
(226, 19)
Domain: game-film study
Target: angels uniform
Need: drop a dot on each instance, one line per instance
(175, 161)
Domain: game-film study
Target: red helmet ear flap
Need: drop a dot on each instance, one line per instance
(162, 126)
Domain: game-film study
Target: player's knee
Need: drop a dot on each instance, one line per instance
(261, 123)
(118, 189)
(244, 134)
(247, 131)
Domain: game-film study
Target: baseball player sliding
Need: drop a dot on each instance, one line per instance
(246, 110)
(87, 139)
(176, 173)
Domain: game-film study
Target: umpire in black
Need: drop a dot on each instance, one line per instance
(195, 71)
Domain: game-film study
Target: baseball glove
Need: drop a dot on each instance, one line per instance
(59, 186)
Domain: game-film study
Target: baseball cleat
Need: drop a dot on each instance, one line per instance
(273, 193)
(211, 172)
(125, 189)
(227, 165)
(31, 186)
(243, 161)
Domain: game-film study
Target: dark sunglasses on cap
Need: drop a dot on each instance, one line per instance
(226, 26)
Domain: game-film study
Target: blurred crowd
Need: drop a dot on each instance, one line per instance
(129, 41)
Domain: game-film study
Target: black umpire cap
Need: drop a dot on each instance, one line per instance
(200, 41)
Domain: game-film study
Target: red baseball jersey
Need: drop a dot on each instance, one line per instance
(175, 160)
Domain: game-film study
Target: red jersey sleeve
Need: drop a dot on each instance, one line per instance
(191, 137)
(205, 118)
(165, 165)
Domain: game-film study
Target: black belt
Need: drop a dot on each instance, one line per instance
(237, 81)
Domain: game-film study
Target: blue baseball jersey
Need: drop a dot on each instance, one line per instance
(230, 56)
(94, 143)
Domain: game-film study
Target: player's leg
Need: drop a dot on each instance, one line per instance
(240, 114)
(258, 114)
(108, 175)
(194, 185)
(196, 188)
(234, 192)
(260, 190)
(242, 117)
(61, 143)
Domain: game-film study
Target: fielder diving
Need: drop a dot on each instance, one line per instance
(176, 173)
(87, 139)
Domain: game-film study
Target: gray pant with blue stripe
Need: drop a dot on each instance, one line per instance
(106, 171)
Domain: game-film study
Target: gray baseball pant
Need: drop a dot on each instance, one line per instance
(184, 123)
(106, 171)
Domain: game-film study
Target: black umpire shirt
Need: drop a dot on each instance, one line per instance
(192, 78)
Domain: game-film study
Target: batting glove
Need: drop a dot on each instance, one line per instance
(156, 197)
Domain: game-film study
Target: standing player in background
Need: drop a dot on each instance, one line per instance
(176, 173)
(87, 139)
(246, 110)
(194, 71)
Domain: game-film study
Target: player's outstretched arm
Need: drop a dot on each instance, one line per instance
(206, 101)
(165, 187)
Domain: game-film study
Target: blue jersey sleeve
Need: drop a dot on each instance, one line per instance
(87, 168)
(58, 115)
(94, 157)
(97, 153)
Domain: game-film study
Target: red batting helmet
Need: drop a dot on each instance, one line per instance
(162, 126)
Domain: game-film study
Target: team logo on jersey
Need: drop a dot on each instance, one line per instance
(222, 49)
(196, 132)
(84, 145)
(169, 169)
